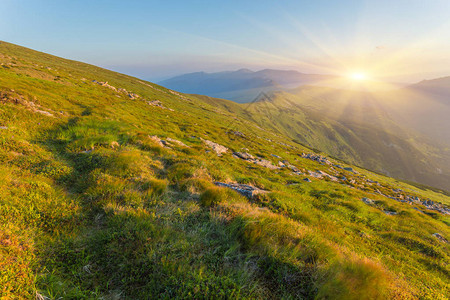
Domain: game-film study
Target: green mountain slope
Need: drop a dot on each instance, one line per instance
(360, 128)
(116, 188)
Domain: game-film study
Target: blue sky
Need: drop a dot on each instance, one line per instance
(404, 40)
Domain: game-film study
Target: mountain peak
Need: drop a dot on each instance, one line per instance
(244, 70)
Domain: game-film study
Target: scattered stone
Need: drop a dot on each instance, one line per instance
(11, 96)
(43, 112)
(258, 161)
(390, 213)
(368, 201)
(159, 104)
(316, 157)
(244, 155)
(274, 155)
(114, 144)
(157, 140)
(440, 237)
(265, 163)
(131, 95)
(237, 133)
(105, 84)
(350, 170)
(315, 174)
(244, 189)
(3, 127)
(291, 167)
(179, 143)
(219, 149)
(178, 94)
(332, 178)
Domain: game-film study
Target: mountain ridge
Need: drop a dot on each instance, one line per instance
(239, 84)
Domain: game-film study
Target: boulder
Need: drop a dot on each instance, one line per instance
(219, 149)
(265, 163)
(157, 140)
(390, 213)
(368, 201)
(440, 237)
(179, 143)
(350, 170)
(244, 189)
(244, 155)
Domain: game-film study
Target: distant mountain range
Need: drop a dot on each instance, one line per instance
(242, 85)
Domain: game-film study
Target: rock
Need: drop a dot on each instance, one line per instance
(169, 142)
(219, 149)
(274, 155)
(132, 96)
(244, 155)
(291, 167)
(258, 161)
(390, 213)
(114, 144)
(3, 127)
(332, 178)
(244, 189)
(315, 174)
(159, 104)
(265, 163)
(307, 179)
(316, 157)
(281, 164)
(440, 237)
(237, 133)
(43, 112)
(350, 170)
(179, 143)
(368, 201)
(157, 140)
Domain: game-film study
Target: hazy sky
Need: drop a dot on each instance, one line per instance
(403, 40)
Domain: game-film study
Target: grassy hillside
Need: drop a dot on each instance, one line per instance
(360, 128)
(108, 192)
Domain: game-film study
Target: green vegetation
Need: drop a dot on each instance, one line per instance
(92, 206)
(366, 129)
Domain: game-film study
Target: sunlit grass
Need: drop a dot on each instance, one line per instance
(91, 207)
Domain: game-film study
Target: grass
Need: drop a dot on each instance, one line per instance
(92, 208)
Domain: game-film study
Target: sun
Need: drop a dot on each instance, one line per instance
(358, 76)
